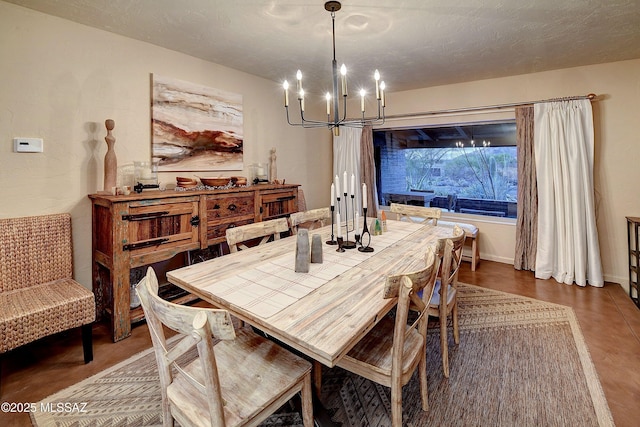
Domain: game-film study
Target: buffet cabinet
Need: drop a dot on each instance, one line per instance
(134, 231)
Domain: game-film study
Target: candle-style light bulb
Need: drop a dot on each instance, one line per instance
(376, 77)
(301, 99)
(343, 79)
(382, 86)
(328, 96)
(299, 82)
(285, 85)
(362, 94)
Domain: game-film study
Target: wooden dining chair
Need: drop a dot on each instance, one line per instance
(390, 353)
(267, 230)
(310, 219)
(417, 214)
(239, 381)
(444, 301)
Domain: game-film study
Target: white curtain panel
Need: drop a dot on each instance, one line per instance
(568, 248)
(346, 158)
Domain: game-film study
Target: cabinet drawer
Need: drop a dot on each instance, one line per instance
(216, 232)
(230, 206)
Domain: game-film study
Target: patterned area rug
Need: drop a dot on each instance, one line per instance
(520, 362)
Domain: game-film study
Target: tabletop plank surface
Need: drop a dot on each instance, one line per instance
(324, 320)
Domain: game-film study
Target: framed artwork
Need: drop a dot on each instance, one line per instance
(194, 127)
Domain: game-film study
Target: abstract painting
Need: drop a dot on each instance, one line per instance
(194, 127)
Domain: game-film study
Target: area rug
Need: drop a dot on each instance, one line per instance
(520, 362)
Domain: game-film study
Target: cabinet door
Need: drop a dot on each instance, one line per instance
(276, 204)
(157, 231)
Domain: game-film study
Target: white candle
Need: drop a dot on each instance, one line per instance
(301, 99)
(364, 196)
(356, 225)
(353, 185)
(299, 82)
(362, 93)
(376, 77)
(333, 194)
(344, 183)
(382, 86)
(337, 181)
(339, 232)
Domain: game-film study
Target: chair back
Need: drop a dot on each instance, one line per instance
(267, 230)
(195, 327)
(413, 289)
(311, 219)
(35, 249)
(450, 250)
(416, 214)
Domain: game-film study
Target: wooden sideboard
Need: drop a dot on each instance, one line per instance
(142, 229)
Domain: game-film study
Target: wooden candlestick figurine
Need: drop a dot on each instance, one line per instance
(273, 169)
(110, 161)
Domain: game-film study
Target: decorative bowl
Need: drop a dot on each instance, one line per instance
(215, 182)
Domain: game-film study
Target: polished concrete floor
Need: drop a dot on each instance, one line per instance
(609, 320)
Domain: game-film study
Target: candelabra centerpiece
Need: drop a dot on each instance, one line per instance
(337, 116)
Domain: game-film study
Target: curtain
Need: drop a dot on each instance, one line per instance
(368, 170)
(567, 248)
(527, 219)
(346, 158)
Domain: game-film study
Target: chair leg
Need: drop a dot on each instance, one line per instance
(307, 402)
(456, 329)
(444, 346)
(396, 406)
(424, 390)
(87, 342)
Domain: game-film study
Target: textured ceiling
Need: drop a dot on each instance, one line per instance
(414, 43)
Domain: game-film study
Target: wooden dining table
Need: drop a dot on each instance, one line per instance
(322, 313)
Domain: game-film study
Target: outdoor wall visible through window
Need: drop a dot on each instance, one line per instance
(469, 168)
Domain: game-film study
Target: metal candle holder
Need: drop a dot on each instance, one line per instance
(332, 241)
(365, 232)
(348, 244)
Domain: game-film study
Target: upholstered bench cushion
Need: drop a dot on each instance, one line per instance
(31, 313)
(470, 229)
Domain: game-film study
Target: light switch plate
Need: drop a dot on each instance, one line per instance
(28, 145)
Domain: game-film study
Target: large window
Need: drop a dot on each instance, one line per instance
(468, 168)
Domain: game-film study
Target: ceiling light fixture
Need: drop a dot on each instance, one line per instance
(339, 91)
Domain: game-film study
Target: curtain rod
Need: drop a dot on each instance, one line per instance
(590, 97)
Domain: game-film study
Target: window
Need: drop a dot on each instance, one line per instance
(466, 168)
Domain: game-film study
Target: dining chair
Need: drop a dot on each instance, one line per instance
(238, 381)
(310, 219)
(267, 230)
(444, 301)
(390, 353)
(417, 214)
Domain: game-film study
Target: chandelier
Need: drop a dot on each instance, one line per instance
(336, 116)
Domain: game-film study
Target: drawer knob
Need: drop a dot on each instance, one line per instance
(232, 207)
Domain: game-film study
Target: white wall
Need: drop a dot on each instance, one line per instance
(61, 80)
(617, 156)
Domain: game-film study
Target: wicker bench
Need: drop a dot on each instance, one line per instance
(38, 296)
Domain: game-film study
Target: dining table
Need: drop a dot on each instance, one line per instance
(324, 312)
